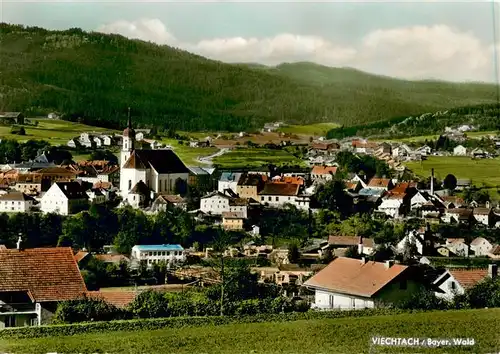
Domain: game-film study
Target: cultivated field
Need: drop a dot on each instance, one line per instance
(342, 335)
(318, 129)
(483, 171)
(54, 131)
(242, 157)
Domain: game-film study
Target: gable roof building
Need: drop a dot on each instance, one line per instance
(37, 278)
(348, 283)
(457, 281)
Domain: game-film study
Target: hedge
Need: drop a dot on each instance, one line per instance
(179, 322)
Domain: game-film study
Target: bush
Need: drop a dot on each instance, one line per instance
(87, 309)
(180, 322)
(424, 300)
(149, 304)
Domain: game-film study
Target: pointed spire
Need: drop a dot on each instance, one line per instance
(129, 124)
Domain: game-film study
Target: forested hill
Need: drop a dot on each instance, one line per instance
(96, 76)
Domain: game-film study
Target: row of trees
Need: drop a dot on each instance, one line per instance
(14, 151)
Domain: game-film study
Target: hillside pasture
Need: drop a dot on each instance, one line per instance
(243, 157)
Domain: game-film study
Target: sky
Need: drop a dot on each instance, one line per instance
(446, 40)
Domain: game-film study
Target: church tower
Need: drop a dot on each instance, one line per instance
(128, 144)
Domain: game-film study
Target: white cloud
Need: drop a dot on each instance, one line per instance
(418, 52)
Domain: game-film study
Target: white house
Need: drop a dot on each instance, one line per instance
(460, 150)
(276, 195)
(412, 237)
(72, 143)
(86, 140)
(455, 281)
(96, 196)
(15, 202)
(98, 141)
(402, 150)
(151, 254)
(482, 215)
(365, 246)
(417, 201)
(424, 150)
(64, 198)
(228, 180)
(457, 246)
(215, 203)
(161, 170)
(353, 284)
(481, 246)
(106, 140)
(393, 205)
(323, 173)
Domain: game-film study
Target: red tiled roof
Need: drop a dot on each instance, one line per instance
(324, 170)
(120, 299)
(286, 189)
(379, 182)
(49, 274)
(352, 276)
(80, 255)
(349, 241)
(468, 277)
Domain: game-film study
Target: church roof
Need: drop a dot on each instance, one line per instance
(163, 161)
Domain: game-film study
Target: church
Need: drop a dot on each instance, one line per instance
(158, 170)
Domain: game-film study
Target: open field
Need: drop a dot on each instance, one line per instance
(484, 171)
(318, 129)
(54, 131)
(242, 157)
(188, 154)
(341, 335)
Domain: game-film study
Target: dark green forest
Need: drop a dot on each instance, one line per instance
(93, 78)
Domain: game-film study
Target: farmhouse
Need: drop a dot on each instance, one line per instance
(460, 150)
(353, 284)
(33, 281)
(165, 201)
(323, 173)
(364, 245)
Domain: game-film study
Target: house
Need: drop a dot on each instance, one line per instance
(15, 202)
(418, 200)
(162, 171)
(151, 254)
(463, 184)
(228, 180)
(424, 150)
(139, 196)
(200, 178)
(324, 147)
(460, 150)
(106, 140)
(29, 183)
(457, 246)
(215, 203)
(384, 148)
(478, 153)
(119, 299)
(73, 143)
(17, 117)
(64, 198)
(249, 185)
(456, 281)
(112, 258)
(34, 281)
(87, 140)
(413, 237)
(353, 284)
(380, 184)
(276, 195)
(232, 220)
(163, 202)
(481, 246)
(458, 215)
(96, 196)
(395, 205)
(402, 150)
(323, 173)
(363, 146)
(364, 245)
(109, 174)
(483, 216)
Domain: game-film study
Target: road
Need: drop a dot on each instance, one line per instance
(208, 159)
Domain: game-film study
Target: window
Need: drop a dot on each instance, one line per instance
(269, 198)
(10, 321)
(168, 253)
(129, 184)
(277, 198)
(150, 254)
(453, 285)
(163, 253)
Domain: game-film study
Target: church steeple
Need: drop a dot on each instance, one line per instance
(128, 144)
(129, 123)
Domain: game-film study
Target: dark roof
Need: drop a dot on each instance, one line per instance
(280, 189)
(48, 274)
(10, 114)
(250, 179)
(72, 190)
(140, 188)
(163, 161)
(15, 196)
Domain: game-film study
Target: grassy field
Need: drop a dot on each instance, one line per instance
(256, 157)
(485, 171)
(344, 335)
(52, 130)
(318, 129)
(189, 154)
